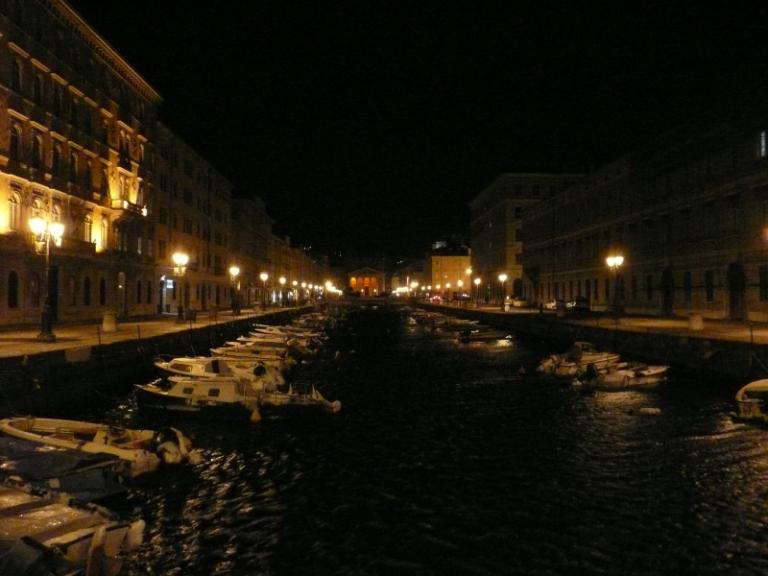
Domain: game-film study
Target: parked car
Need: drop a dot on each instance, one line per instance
(578, 304)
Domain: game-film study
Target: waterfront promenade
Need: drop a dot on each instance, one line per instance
(71, 336)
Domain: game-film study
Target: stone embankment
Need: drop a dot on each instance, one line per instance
(712, 352)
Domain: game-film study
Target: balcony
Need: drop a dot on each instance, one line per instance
(128, 207)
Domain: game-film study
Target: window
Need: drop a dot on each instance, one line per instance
(104, 184)
(762, 144)
(102, 292)
(56, 159)
(16, 75)
(14, 212)
(687, 289)
(87, 291)
(15, 150)
(87, 229)
(161, 249)
(34, 290)
(13, 290)
(104, 233)
(73, 166)
(37, 89)
(37, 151)
(58, 99)
(213, 392)
(634, 287)
(138, 292)
(149, 292)
(709, 285)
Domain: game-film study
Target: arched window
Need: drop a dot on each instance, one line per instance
(56, 159)
(123, 188)
(15, 150)
(138, 292)
(58, 99)
(72, 285)
(87, 291)
(16, 74)
(14, 211)
(37, 151)
(13, 290)
(102, 292)
(87, 172)
(149, 292)
(74, 113)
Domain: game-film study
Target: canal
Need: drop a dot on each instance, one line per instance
(447, 459)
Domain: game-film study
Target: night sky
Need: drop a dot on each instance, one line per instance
(367, 127)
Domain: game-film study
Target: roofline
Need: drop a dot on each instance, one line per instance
(103, 49)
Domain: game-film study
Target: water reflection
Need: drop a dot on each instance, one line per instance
(448, 459)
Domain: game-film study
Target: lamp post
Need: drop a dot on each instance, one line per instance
(477, 282)
(264, 277)
(180, 261)
(234, 272)
(614, 263)
(45, 232)
(460, 285)
(282, 285)
(502, 278)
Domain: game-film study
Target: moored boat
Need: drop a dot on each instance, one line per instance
(623, 377)
(270, 371)
(751, 400)
(140, 451)
(577, 360)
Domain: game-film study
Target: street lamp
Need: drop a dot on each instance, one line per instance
(45, 232)
(180, 261)
(502, 278)
(614, 263)
(264, 277)
(282, 281)
(477, 282)
(234, 272)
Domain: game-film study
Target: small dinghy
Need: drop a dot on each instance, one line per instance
(751, 401)
(140, 451)
(622, 377)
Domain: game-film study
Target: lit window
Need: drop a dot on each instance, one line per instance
(762, 144)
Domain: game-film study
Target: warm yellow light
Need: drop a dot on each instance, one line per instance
(328, 285)
(477, 281)
(437, 287)
(448, 286)
(303, 284)
(460, 283)
(57, 230)
(282, 280)
(414, 285)
(503, 277)
(37, 225)
(295, 283)
(614, 262)
(468, 271)
(234, 271)
(180, 258)
(264, 276)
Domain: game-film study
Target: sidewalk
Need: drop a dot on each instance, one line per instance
(726, 330)
(68, 336)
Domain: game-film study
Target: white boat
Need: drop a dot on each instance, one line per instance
(240, 350)
(576, 361)
(270, 371)
(751, 400)
(221, 396)
(622, 377)
(140, 451)
(46, 535)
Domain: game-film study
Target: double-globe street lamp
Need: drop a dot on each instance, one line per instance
(477, 282)
(45, 232)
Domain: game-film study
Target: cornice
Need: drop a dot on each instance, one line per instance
(96, 43)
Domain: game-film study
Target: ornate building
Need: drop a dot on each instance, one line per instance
(75, 148)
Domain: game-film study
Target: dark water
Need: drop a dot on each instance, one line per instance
(445, 461)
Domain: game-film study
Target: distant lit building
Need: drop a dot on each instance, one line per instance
(688, 213)
(191, 213)
(367, 281)
(445, 270)
(75, 148)
(496, 226)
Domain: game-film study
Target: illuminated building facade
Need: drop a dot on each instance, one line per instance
(496, 225)
(191, 213)
(367, 281)
(75, 148)
(689, 215)
(446, 271)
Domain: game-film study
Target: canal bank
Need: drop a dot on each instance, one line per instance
(86, 360)
(711, 348)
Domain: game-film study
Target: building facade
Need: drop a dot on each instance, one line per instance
(688, 214)
(496, 224)
(75, 149)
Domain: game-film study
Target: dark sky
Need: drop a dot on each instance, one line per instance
(368, 126)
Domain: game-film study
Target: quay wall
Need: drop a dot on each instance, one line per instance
(696, 353)
(41, 383)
